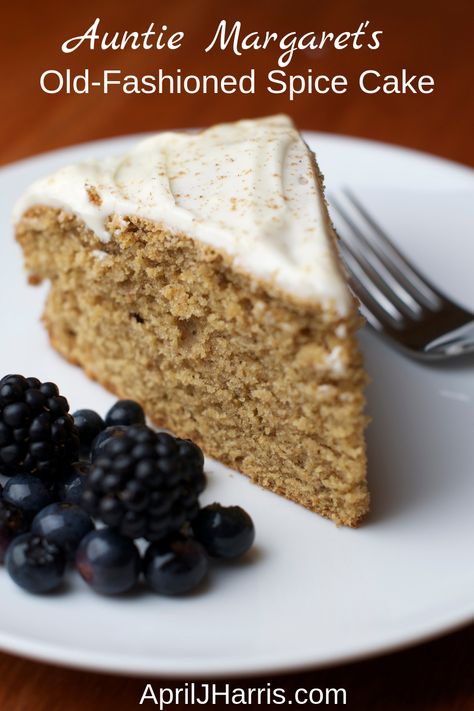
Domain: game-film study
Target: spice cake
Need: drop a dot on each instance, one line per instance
(198, 274)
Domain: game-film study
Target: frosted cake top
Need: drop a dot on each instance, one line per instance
(247, 188)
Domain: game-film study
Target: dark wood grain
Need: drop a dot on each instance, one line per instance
(425, 37)
(432, 677)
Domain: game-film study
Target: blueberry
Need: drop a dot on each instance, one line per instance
(72, 486)
(108, 562)
(176, 566)
(103, 437)
(34, 563)
(63, 524)
(13, 521)
(88, 424)
(125, 412)
(28, 493)
(224, 531)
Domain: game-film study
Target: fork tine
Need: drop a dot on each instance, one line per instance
(405, 273)
(376, 268)
(370, 317)
(376, 308)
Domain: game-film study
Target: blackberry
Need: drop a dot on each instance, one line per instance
(142, 485)
(102, 437)
(37, 433)
(193, 460)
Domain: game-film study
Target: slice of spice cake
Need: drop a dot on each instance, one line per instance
(198, 274)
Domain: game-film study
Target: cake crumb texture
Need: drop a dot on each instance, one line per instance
(266, 384)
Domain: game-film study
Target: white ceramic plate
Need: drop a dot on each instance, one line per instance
(310, 594)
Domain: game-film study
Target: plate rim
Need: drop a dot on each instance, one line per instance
(115, 664)
(313, 134)
(52, 653)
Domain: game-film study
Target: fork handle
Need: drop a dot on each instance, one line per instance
(460, 341)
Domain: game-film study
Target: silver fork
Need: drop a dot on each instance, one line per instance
(396, 300)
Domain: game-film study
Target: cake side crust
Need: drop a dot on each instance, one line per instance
(255, 374)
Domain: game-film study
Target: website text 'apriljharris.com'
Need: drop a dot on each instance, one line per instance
(212, 694)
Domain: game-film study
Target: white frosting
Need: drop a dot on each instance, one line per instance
(335, 362)
(99, 254)
(246, 188)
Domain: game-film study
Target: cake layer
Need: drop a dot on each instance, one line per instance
(271, 386)
(250, 189)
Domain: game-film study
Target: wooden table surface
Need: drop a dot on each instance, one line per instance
(424, 37)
